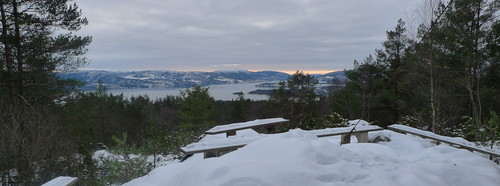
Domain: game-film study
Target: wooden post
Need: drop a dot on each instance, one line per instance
(210, 154)
(270, 129)
(231, 133)
(362, 137)
(345, 139)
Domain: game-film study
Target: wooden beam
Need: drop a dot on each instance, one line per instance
(346, 132)
(222, 148)
(463, 146)
(244, 125)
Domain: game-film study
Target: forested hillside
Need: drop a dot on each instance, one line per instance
(443, 79)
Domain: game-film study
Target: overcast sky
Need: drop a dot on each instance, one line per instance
(208, 35)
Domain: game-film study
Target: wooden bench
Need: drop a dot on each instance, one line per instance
(220, 148)
(217, 148)
(230, 129)
(215, 151)
(445, 139)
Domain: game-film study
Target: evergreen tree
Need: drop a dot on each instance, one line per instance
(35, 47)
(375, 84)
(297, 98)
(197, 109)
(393, 59)
(35, 43)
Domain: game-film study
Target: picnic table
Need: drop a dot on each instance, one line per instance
(360, 132)
(223, 146)
(230, 129)
(216, 149)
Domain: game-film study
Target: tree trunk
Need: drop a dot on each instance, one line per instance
(434, 95)
(7, 52)
(19, 47)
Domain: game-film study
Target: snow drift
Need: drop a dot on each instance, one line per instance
(299, 158)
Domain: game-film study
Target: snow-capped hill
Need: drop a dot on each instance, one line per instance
(170, 79)
(332, 77)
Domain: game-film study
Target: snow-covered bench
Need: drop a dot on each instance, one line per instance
(360, 132)
(213, 151)
(458, 142)
(230, 129)
(221, 147)
(61, 181)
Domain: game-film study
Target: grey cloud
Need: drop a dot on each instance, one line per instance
(256, 34)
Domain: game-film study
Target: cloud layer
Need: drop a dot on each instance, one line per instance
(237, 34)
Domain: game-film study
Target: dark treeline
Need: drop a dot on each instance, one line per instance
(444, 79)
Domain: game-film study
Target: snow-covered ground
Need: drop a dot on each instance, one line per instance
(103, 155)
(299, 158)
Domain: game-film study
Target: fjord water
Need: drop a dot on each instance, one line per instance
(223, 92)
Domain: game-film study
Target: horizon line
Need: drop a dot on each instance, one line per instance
(291, 72)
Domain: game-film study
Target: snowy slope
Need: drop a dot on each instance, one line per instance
(299, 158)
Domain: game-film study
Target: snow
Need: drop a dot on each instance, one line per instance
(243, 125)
(327, 131)
(427, 133)
(451, 140)
(246, 136)
(60, 181)
(300, 158)
(222, 142)
(360, 122)
(102, 156)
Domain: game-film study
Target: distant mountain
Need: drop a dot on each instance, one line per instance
(170, 79)
(337, 77)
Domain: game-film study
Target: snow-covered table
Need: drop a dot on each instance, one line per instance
(222, 146)
(360, 132)
(230, 129)
(461, 143)
(219, 147)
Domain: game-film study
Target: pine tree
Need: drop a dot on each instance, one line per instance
(197, 109)
(393, 58)
(297, 97)
(35, 47)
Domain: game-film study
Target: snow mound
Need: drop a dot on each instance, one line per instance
(300, 158)
(361, 122)
(61, 180)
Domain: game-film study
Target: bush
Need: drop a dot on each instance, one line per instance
(123, 166)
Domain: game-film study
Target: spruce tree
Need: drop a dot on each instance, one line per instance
(297, 98)
(197, 109)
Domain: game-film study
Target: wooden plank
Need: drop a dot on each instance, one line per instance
(245, 125)
(347, 131)
(219, 148)
(437, 138)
